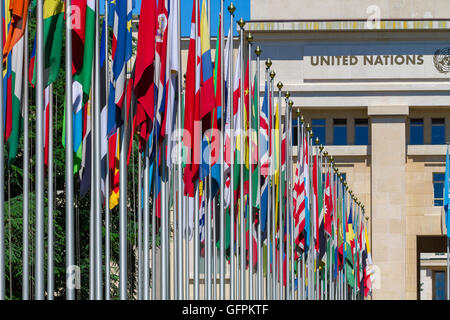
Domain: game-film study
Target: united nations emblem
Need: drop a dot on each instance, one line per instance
(442, 60)
(162, 24)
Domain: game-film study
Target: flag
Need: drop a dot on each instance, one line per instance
(83, 37)
(227, 123)
(192, 109)
(46, 124)
(118, 79)
(104, 109)
(53, 39)
(172, 74)
(17, 67)
(216, 115)
(144, 87)
(321, 208)
(207, 94)
(19, 12)
(316, 203)
(328, 206)
(160, 70)
(264, 156)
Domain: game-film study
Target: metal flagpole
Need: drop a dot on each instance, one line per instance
(92, 257)
(241, 167)
(291, 210)
(70, 223)
(269, 193)
(272, 133)
(280, 199)
(139, 246)
(39, 253)
(26, 174)
(123, 268)
(180, 168)
(97, 164)
(231, 9)
(222, 175)
(196, 197)
(258, 155)
(107, 181)
(250, 155)
(50, 245)
(146, 220)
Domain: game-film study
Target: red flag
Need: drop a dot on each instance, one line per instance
(192, 112)
(316, 203)
(328, 206)
(144, 84)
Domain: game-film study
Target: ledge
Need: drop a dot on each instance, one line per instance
(342, 151)
(355, 25)
(426, 150)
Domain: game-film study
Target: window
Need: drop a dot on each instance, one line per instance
(438, 131)
(438, 186)
(439, 285)
(340, 132)
(295, 132)
(361, 131)
(318, 127)
(416, 131)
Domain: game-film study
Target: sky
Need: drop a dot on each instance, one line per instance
(242, 10)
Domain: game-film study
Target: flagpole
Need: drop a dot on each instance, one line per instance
(280, 198)
(250, 152)
(269, 193)
(123, 268)
(26, 174)
(222, 175)
(241, 166)
(155, 185)
(196, 196)
(107, 180)
(272, 172)
(70, 224)
(180, 167)
(447, 224)
(97, 164)
(139, 247)
(146, 220)
(258, 52)
(231, 9)
(50, 251)
(290, 182)
(39, 185)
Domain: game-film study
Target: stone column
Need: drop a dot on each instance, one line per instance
(388, 183)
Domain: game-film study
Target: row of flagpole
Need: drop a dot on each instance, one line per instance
(274, 259)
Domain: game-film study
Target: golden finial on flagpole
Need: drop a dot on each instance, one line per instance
(280, 85)
(272, 74)
(326, 154)
(250, 38)
(268, 63)
(231, 8)
(258, 51)
(317, 140)
(287, 95)
(241, 23)
(302, 119)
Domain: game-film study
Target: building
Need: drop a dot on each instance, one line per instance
(372, 78)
